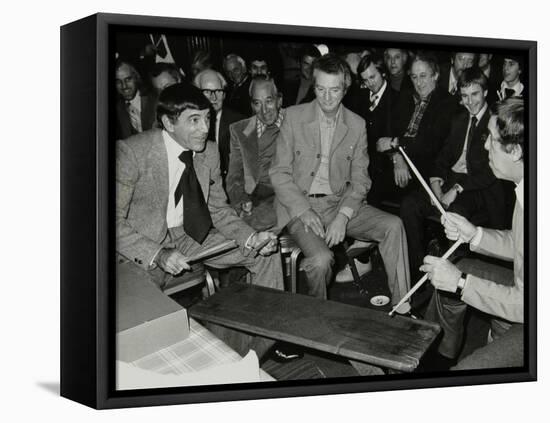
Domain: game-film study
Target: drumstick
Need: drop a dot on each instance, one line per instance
(224, 246)
(423, 182)
(425, 277)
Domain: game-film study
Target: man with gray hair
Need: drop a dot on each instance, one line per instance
(237, 98)
(320, 179)
(494, 290)
(213, 86)
(253, 143)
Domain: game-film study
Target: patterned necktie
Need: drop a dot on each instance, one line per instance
(135, 117)
(373, 104)
(196, 217)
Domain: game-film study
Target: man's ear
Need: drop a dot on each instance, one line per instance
(167, 123)
(517, 153)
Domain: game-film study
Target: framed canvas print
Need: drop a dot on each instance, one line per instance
(266, 211)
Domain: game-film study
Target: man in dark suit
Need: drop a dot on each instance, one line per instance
(238, 98)
(253, 143)
(321, 180)
(461, 177)
(135, 107)
(213, 86)
(491, 66)
(160, 170)
(396, 60)
(512, 85)
(301, 91)
(450, 72)
(377, 110)
(421, 123)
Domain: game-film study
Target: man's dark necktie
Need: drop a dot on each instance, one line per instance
(196, 217)
(473, 123)
(509, 92)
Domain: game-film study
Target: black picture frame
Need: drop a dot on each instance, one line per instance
(87, 328)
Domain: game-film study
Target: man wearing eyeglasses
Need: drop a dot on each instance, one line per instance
(213, 86)
(494, 290)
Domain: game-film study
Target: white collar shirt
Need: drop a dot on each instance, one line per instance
(174, 214)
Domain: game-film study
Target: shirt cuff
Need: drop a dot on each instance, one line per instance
(436, 178)
(458, 188)
(476, 239)
(346, 211)
(465, 286)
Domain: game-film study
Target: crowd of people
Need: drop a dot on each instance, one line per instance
(240, 152)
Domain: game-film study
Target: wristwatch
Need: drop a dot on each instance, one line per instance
(461, 283)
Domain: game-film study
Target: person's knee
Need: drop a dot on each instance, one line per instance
(393, 225)
(321, 262)
(410, 206)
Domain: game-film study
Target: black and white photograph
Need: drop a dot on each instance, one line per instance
(276, 212)
(294, 208)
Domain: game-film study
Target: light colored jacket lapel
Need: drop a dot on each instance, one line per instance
(340, 131)
(203, 174)
(249, 152)
(159, 168)
(312, 132)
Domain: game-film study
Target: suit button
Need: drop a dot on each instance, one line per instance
(348, 158)
(120, 261)
(312, 173)
(304, 192)
(297, 152)
(318, 156)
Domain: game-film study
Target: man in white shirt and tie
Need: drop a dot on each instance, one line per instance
(384, 169)
(170, 203)
(135, 106)
(511, 85)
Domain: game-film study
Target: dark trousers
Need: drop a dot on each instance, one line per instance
(488, 206)
(449, 311)
(263, 216)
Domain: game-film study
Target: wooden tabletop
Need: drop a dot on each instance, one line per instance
(353, 332)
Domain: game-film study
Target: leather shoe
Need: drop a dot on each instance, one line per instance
(283, 352)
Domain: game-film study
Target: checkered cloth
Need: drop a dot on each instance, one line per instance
(199, 351)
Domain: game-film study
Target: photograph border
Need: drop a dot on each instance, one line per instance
(87, 193)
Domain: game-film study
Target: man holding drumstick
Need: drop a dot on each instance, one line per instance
(484, 290)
